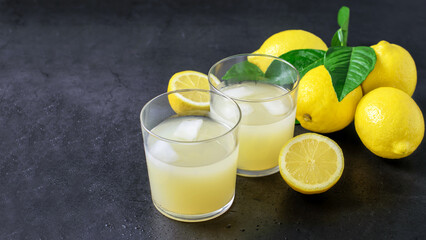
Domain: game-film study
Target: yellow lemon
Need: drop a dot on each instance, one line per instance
(318, 108)
(189, 101)
(285, 41)
(389, 123)
(311, 163)
(394, 68)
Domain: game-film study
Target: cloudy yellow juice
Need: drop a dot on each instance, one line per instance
(267, 123)
(195, 172)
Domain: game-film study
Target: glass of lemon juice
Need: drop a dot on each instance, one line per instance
(191, 148)
(265, 88)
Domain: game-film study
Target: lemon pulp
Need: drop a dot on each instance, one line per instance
(311, 163)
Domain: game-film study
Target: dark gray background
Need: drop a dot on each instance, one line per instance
(75, 74)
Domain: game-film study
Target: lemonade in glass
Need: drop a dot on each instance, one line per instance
(191, 156)
(268, 104)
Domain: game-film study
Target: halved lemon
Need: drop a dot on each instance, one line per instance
(311, 163)
(189, 101)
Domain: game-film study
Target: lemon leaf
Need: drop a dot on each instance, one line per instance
(343, 18)
(348, 67)
(280, 74)
(304, 59)
(244, 71)
(340, 38)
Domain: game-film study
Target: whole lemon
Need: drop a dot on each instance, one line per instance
(389, 123)
(318, 108)
(285, 41)
(394, 68)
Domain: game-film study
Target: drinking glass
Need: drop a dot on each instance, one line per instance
(191, 154)
(265, 88)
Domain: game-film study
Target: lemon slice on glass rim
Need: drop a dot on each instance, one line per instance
(311, 163)
(189, 101)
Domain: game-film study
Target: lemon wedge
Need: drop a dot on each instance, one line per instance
(311, 163)
(189, 101)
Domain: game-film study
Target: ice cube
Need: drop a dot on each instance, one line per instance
(246, 109)
(188, 129)
(223, 111)
(225, 114)
(163, 151)
(238, 92)
(276, 107)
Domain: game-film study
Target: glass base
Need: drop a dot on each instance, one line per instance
(261, 173)
(195, 218)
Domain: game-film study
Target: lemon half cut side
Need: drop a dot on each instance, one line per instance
(311, 163)
(189, 101)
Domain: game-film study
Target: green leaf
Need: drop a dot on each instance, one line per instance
(348, 67)
(280, 74)
(304, 59)
(340, 38)
(343, 18)
(297, 122)
(244, 71)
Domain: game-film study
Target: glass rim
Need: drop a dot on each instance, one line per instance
(295, 84)
(235, 125)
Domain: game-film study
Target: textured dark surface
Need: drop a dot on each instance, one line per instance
(75, 74)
